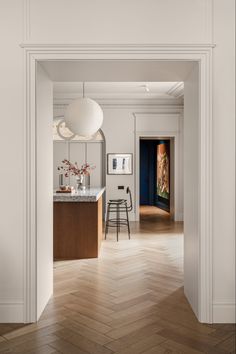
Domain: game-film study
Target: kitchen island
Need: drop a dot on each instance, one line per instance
(77, 224)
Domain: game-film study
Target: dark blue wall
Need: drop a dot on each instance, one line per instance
(148, 172)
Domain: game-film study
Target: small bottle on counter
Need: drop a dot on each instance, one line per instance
(60, 180)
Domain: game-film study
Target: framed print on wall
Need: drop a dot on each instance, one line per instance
(119, 164)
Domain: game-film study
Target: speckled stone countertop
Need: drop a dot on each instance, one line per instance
(88, 195)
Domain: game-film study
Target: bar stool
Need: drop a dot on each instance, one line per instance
(116, 207)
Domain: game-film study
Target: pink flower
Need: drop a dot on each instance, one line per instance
(74, 169)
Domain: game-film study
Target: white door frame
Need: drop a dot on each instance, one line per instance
(154, 135)
(34, 52)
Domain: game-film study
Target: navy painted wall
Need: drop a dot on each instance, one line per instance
(148, 172)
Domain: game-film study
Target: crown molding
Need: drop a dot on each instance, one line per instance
(167, 101)
(65, 92)
(177, 90)
(131, 104)
(119, 96)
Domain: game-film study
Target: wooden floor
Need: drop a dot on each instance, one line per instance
(129, 301)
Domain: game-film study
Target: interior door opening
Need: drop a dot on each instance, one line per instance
(191, 78)
(157, 176)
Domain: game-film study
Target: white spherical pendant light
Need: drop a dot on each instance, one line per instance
(84, 116)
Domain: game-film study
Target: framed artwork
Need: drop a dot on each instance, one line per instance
(163, 170)
(119, 164)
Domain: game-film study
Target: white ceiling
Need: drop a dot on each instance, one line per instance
(117, 70)
(119, 79)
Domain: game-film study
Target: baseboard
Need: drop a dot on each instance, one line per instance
(224, 312)
(179, 216)
(132, 217)
(135, 217)
(12, 312)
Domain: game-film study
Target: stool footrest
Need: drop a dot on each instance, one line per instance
(117, 206)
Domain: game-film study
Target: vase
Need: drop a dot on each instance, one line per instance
(86, 181)
(79, 182)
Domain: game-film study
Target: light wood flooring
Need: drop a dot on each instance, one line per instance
(129, 301)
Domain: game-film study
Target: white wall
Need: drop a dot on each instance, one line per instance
(12, 135)
(180, 187)
(44, 166)
(95, 155)
(105, 21)
(119, 128)
(164, 21)
(224, 162)
(191, 188)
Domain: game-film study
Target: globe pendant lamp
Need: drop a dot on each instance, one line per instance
(84, 116)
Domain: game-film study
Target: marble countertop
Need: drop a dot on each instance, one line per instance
(88, 195)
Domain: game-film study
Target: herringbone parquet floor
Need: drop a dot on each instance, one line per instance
(129, 301)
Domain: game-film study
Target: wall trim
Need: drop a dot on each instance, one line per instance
(172, 101)
(224, 312)
(11, 312)
(120, 47)
(162, 108)
(26, 17)
(198, 53)
(179, 216)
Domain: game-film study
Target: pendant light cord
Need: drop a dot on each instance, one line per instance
(83, 89)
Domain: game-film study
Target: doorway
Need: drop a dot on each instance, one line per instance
(204, 299)
(155, 173)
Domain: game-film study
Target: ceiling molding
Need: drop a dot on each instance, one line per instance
(167, 101)
(177, 90)
(120, 93)
(114, 96)
(160, 108)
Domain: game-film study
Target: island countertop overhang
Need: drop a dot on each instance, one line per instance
(87, 195)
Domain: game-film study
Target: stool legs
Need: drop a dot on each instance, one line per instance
(127, 216)
(117, 223)
(107, 218)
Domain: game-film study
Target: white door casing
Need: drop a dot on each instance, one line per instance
(154, 133)
(199, 53)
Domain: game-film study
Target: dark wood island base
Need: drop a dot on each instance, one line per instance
(77, 229)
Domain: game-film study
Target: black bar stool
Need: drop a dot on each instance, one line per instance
(116, 207)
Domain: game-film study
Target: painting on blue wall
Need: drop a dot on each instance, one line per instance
(163, 168)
